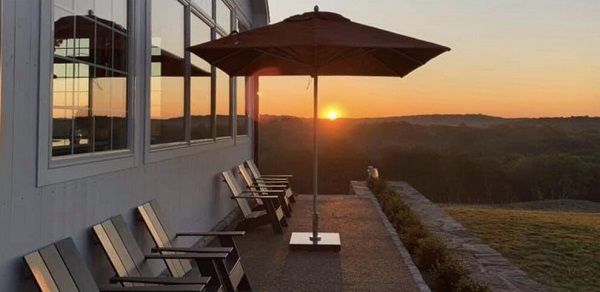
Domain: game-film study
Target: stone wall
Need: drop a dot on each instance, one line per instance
(484, 263)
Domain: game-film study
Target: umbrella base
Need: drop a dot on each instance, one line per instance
(302, 241)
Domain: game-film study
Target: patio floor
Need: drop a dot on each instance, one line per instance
(368, 261)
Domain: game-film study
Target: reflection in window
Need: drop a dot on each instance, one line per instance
(89, 80)
(223, 118)
(168, 68)
(241, 112)
(223, 16)
(200, 84)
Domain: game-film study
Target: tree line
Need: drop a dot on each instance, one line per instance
(511, 161)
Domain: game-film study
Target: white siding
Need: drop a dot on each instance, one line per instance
(189, 188)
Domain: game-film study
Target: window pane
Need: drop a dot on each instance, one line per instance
(242, 117)
(89, 78)
(168, 68)
(223, 16)
(222, 105)
(205, 5)
(200, 84)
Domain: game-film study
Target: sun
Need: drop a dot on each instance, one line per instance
(332, 115)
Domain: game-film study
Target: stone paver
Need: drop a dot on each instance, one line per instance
(368, 260)
(484, 263)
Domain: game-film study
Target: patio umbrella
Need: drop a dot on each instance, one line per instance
(317, 44)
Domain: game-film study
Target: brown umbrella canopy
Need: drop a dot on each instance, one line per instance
(318, 43)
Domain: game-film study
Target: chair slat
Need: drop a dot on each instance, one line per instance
(111, 252)
(235, 191)
(77, 268)
(152, 222)
(253, 168)
(136, 254)
(121, 250)
(57, 269)
(40, 272)
(246, 176)
(162, 227)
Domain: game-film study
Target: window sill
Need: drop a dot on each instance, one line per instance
(85, 165)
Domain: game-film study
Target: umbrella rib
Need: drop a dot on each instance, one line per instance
(349, 53)
(381, 62)
(408, 57)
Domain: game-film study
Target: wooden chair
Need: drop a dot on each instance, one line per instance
(282, 179)
(262, 186)
(165, 242)
(128, 260)
(59, 268)
(272, 213)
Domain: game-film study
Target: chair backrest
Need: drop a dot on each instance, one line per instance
(162, 236)
(122, 250)
(253, 168)
(59, 267)
(248, 180)
(236, 191)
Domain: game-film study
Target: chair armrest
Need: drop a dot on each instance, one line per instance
(194, 249)
(271, 179)
(162, 280)
(277, 175)
(188, 256)
(212, 233)
(267, 185)
(254, 197)
(170, 288)
(261, 192)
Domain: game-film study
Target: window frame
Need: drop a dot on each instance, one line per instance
(63, 168)
(160, 152)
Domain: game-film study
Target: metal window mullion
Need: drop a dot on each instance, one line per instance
(75, 60)
(187, 79)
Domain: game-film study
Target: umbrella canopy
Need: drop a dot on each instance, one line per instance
(318, 43)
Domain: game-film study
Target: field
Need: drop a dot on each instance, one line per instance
(559, 249)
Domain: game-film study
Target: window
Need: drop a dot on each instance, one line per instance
(200, 84)
(223, 112)
(240, 95)
(223, 17)
(167, 123)
(241, 112)
(205, 5)
(89, 103)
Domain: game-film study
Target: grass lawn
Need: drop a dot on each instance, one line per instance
(561, 250)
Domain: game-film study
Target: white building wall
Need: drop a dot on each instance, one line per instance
(188, 188)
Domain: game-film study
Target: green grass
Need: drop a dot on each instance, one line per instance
(561, 250)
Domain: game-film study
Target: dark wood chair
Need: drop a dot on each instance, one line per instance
(165, 242)
(59, 268)
(262, 186)
(281, 179)
(128, 260)
(272, 213)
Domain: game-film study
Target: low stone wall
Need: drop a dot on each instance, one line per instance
(484, 263)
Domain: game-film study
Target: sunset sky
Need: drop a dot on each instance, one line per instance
(509, 58)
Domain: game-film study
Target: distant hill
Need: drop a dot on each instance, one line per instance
(468, 120)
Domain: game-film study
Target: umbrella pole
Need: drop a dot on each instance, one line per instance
(315, 218)
(315, 241)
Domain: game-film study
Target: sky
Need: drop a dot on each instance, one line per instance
(509, 58)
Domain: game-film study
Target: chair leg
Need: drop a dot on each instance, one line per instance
(244, 284)
(272, 213)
